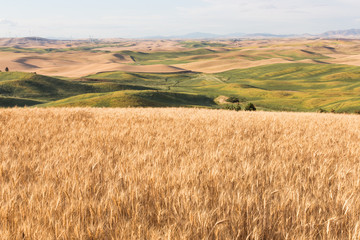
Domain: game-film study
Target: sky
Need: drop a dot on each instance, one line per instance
(142, 18)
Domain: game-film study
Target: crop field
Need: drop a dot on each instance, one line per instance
(177, 173)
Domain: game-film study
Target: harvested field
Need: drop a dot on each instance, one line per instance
(80, 58)
(178, 174)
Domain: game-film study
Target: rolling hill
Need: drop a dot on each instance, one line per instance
(20, 89)
(17, 102)
(31, 85)
(280, 87)
(284, 87)
(132, 98)
(289, 87)
(275, 75)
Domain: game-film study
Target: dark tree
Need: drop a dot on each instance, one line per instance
(250, 107)
(233, 100)
(6, 69)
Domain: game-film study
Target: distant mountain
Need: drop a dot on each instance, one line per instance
(267, 35)
(38, 41)
(28, 42)
(350, 33)
(194, 35)
(200, 35)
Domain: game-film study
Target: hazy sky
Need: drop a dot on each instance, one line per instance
(137, 18)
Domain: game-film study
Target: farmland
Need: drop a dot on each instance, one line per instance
(177, 173)
(275, 74)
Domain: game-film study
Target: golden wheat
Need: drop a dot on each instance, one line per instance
(178, 174)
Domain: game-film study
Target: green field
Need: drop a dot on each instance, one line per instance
(133, 98)
(276, 87)
(19, 102)
(148, 58)
(201, 44)
(291, 55)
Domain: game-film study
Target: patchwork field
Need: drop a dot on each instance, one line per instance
(274, 74)
(178, 174)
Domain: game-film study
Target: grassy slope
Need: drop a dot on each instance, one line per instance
(29, 85)
(167, 57)
(152, 80)
(299, 86)
(148, 98)
(290, 87)
(201, 44)
(202, 53)
(291, 55)
(14, 86)
(20, 102)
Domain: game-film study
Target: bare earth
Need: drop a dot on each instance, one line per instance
(77, 64)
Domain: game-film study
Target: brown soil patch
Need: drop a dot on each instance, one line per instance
(215, 66)
(221, 99)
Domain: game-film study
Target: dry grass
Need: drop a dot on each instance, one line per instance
(178, 174)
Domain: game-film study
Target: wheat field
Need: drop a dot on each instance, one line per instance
(177, 173)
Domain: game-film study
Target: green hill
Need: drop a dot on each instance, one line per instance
(151, 80)
(146, 58)
(44, 88)
(284, 87)
(132, 98)
(19, 102)
(30, 85)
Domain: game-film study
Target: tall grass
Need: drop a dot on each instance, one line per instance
(178, 174)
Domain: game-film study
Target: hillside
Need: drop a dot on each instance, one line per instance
(133, 99)
(15, 86)
(285, 87)
(280, 87)
(298, 86)
(274, 74)
(17, 102)
(350, 33)
(30, 85)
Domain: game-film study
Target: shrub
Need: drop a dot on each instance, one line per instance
(235, 107)
(321, 110)
(357, 111)
(250, 107)
(228, 107)
(233, 100)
